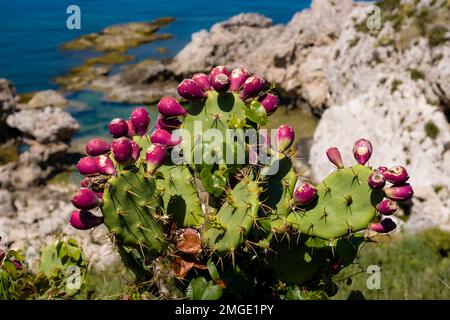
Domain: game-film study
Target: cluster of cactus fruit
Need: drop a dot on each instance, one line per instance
(174, 219)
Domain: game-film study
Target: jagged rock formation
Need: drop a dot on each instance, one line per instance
(32, 212)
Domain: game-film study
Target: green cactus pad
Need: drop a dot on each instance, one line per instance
(218, 111)
(226, 230)
(278, 190)
(345, 204)
(295, 263)
(180, 195)
(132, 210)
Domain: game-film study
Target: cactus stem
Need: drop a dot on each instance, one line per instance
(121, 212)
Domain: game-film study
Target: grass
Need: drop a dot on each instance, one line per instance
(412, 267)
(431, 130)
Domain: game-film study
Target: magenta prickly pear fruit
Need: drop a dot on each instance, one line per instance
(284, 138)
(362, 150)
(87, 166)
(270, 102)
(84, 220)
(2, 255)
(170, 108)
(202, 80)
(85, 199)
(135, 150)
(396, 175)
(382, 169)
(17, 264)
(221, 83)
(218, 70)
(118, 128)
(237, 78)
(96, 147)
(168, 124)
(334, 156)
(140, 120)
(191, 90)
(252, 87)
(155, 157)
(376, 180)
(122, 150)
(399, 192)
(387, 207)
(384, 226)
(84, 183)
(163, 137)
(305, 193)
(131, 130)
(105, 165)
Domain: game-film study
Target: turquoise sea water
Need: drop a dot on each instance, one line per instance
(32, 32)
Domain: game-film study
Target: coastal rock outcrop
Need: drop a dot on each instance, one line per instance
(32, 210)
(44, 125)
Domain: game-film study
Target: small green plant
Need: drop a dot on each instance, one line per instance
(395, 84)
(431, 129)
(60, 274)
(416, 74)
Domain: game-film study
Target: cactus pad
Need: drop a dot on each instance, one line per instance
(345, 204)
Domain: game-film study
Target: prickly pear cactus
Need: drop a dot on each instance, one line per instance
(212, 199)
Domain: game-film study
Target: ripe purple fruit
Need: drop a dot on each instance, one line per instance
(2, 255)
(362, 150)
(105, 165)
(118, 128)
(191, 90)
(305, 193)
(122, 150)
(387, 207)
(85, 199)
(96, 147)
(284, 138)
(140, 120)
(131, 131)
(169, 108)
(135, 150)
(218, 70)
(155, 157)
(202, 80)
(168, 124)
(396, 175)
(252, 87)
(17, 264)
(334, 156)
(376, 180)
(237, 78)
(84, 220)
(87, 166)
(384, 226)
(163, 137)
(221, 83)
(399, 192)
(270, 102)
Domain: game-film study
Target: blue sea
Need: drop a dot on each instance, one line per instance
(33, 31)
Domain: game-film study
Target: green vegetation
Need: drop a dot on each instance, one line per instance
(9, 152)
(431, 129)
(412, 267)
(416, 74)
(395, 84)
(353, 42)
